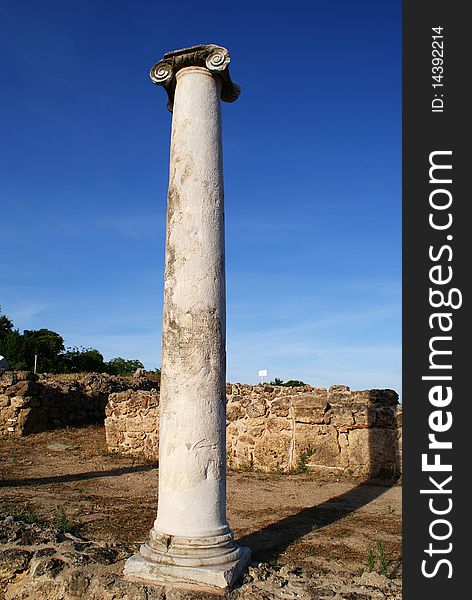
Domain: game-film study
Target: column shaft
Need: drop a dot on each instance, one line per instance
(192, 468)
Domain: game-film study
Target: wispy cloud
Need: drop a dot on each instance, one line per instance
(23, 312)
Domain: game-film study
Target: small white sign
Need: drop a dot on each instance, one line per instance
(263, 373)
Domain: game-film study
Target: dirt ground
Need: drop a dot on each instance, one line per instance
(323, 523)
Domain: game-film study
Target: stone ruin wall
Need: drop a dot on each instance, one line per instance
(275, 428)
(269, 428)
(32, 403)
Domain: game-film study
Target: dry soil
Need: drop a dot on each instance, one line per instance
(301, 519)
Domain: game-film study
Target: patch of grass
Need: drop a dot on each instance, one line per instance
(64, 524)
(377, 559)
(30, 517)
(315, 527)
(22, 514)
(302, 466)
(246, 466)
(370, 559)
(384, 562)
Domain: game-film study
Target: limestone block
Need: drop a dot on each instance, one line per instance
(4, 400)
(7, 378)
(385, 416)
(318, 392)
(308, 408)
(364, 414)
(399, 451)
(135, 435)
(232, 430)
(9, 413)
(338, 389)
(242, 455)
(280, 407)
(26, 376)
(109, 409)
(19, 401)
(247, 440)
(399, 416)
(257, 408)
(363, 396)
(383, 397)
(23, 388)
(341, 416)
(359, 450)
(373, 450)
(242, 425)
(321, 441)
(306, 438)
(278, 424)
(234, 411)
(343, 442)
(118, 397)
(32, 420)
(383, 448)
(151, 446)
(328, 415)
(254, 422)
(273, 452)
(255, 430)
(140, 423)
(339, 393)
(244, 399)
(112, 433)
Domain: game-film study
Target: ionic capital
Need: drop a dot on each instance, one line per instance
(215, 58)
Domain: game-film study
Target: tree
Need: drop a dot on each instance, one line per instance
(121, 366)
(20, 348)
(85, 360)
(12, 347)
(293, 383)
(48, 345)
(6, 325)
(277, 381)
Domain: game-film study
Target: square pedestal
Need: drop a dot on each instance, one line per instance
(139, 569)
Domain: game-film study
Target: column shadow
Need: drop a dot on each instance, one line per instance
(384, 471)
(76, 477)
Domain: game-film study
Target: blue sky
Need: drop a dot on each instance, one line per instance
(312, 158)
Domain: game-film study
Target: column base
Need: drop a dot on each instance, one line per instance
(137, 568)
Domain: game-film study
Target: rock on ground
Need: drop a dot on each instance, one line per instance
(40, 562)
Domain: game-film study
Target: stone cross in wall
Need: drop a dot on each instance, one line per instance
(191, 541)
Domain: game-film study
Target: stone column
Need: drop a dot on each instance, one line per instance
(191, 541)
